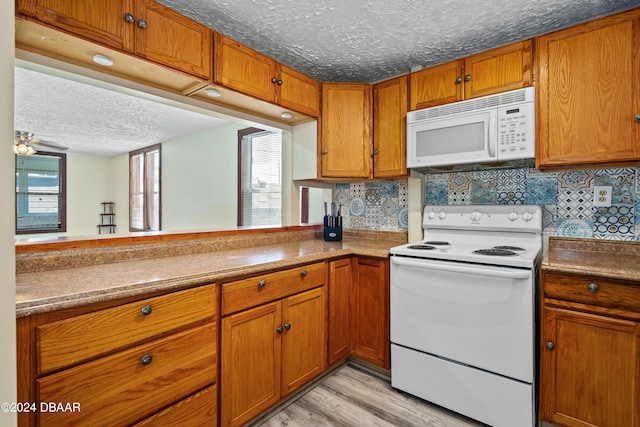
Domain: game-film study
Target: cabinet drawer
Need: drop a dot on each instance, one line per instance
(198, 410)
(66, 342)
(242, 294)
(119, 389)
(593, 291)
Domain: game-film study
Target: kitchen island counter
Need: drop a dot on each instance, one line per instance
(68, 286)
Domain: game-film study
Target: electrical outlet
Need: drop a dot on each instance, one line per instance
(602, 195)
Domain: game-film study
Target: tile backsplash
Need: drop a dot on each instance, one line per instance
(566, 198)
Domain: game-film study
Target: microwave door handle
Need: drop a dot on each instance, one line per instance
(493, 134)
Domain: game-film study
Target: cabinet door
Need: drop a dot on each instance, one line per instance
(304, 339)
(100, 21)
(588, 93)
(298, 92)
(173, 40)
(589, 369)
(390, 128)
(346, 131)
(340, 279)
(437, 85)
(250, 364)
(243, 69)
(370, 311)
(498, 70)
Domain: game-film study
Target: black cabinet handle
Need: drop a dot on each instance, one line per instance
(303, 273)
(129, 17)
(550, 345)
(262, 284)
(287, 326)
(146, 359)
(146, 310)
(279, 329)
(142, 23)
(593, 287)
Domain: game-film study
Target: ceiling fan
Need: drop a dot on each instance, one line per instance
(24, 142)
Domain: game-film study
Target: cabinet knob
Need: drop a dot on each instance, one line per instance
(274, 80)
(637, 118)
(459, 80)
(550, 345)
(129, 18)
(279, 82)
(142, 23)
(375, 152)
(146, 310)
(262, 284)
(303, 273)
(593, 287)
(467, 77)
(279, 329)
(287, 326)
(325, 151)
(146, 359)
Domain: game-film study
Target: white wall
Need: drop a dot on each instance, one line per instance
(7, 217)
(200, 180)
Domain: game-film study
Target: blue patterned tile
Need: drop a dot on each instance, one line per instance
(541, 191)
(403, 219)
(460, 181)
(389, 189)
(622, 182)
(459, 197)
(483, 187)
(617, 220)
(575, 228)
(436, 193)
(372, 197)
(511, 180)
(356, 207)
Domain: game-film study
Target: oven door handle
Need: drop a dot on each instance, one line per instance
(457, 268)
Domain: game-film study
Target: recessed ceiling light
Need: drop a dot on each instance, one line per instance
(286, 115)
(214, 93)
(102, 60)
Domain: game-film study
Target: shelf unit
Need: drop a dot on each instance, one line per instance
(107, 218)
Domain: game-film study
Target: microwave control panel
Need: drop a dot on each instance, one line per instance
(516, 132)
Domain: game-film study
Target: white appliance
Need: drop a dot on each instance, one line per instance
(463, 312)
(490, 129)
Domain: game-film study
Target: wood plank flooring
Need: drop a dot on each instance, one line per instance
(353, 397)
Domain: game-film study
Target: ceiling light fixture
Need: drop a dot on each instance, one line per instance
(23, 149)
(102, 60)
(286, 115)
(213, 93)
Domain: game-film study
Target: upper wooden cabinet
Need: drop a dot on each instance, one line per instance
(497, 70)
(390, 128)
(241, 68)
(143, 27)
(345, 136)
(588, 97)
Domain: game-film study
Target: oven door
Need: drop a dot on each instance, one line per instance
(481, 316)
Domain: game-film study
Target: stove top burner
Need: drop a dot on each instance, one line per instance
(495, 252)
(421, 247)
(510, 248)
(437, 243)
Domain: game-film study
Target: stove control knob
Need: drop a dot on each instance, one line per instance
(442, 215)
(431, 215)
(512, 216)
(475, 216)
(527, 216)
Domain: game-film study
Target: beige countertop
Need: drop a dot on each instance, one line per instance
(603, 258)
(59, 288)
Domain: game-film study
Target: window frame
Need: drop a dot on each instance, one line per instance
(146, 192)
(62, 208)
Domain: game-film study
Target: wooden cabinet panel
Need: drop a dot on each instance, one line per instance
(436, 85)
(242, 294)
(304, 351)
(370, 311)
(251, 363)
(498, 70)
(241, 68)
(194, 411)
(346, 131)
(66, 342)
(298, 92)
(174, 40)
(589, 369)
(390, 128)
(340, 280)
(121, 389)
(102, 21)
(587, 93)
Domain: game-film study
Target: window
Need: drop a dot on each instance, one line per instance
(260, 177)
(144, 189)
(41, 193)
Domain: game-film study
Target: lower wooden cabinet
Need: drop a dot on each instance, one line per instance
(269, 351)
(340, 283)
(146, 360)
(590, 356)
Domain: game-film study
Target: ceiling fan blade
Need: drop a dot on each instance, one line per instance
(49, 144)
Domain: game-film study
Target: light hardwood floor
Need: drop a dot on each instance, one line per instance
(353, 397)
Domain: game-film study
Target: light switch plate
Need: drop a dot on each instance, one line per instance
(602, 195)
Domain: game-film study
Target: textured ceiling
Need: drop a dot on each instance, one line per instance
(372, 40)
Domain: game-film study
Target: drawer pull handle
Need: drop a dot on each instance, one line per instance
(262, 284)
(279, 329)
(303, 273)
(146, 359)
(287, 326)
(146, 310)
(593, 287)
(550, 345)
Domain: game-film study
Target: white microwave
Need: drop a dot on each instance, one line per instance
(495, 128)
